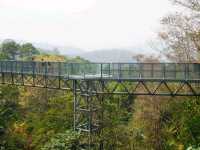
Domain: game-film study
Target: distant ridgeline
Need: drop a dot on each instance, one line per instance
(11, 50)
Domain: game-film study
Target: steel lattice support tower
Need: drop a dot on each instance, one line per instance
(87, 108)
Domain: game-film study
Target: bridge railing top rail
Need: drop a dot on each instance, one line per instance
(105, 70)
(99, 62)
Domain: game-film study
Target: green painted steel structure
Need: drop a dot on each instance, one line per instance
(111, 71)
(91, 82)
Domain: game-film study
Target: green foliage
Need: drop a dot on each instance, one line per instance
(9, 113)
(49, 112)
(27, 51)
(68, 140)
(8, 104)
(183, 126)
(10, 49)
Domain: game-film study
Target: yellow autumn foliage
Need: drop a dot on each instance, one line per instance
(52, 58)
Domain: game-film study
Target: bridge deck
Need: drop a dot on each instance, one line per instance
(109, 71)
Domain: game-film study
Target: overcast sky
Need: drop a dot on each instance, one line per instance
(86, 24)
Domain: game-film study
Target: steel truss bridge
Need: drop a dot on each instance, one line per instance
(92, 82)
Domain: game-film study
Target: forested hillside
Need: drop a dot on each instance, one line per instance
(30, 117)
(42, 119)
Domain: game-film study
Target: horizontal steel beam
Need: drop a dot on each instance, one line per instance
(56, 75)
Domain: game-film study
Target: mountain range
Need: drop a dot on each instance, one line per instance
(101, 55)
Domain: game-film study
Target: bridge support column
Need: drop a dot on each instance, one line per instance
(87, 109)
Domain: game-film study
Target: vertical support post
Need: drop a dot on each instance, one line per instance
(6, 70)
(86, 110)
(75, 102)
(119, 71)
(101, 71)
(3, 78)
(59, 75)
(33, 69)
(164, 71)
(198, 71)
(0, 66)
(68, 69)
(141, 71)
(129, 71)
(152, 70)
(72, 70)
(175, 71)
(88, 101)
(22, 72)
(45, 75)
(109, 71)
(186, 71)
(101, 145)
(3, 73)
(113, 70)
(84, 70)
(12, 73)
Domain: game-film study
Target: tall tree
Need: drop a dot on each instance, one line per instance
(10, 49)
(28, 50)
(181, 32)
(181, 36)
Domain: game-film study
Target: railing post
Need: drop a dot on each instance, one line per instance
(75, 101)
(2, 72)
(119, 71)
(141, 70)
(129, 71)
(22, 72)
(46, 71)
(12, 74)
(6, 67)
(33, 69)
(109, 71)
(199, 71)
(101, 70)
(186, 71)
(45, 68)
(113, 70)
(164, 70)
(69, 70)
(1, 66)
(72, 69)
(59, 74)
(59, 68)
(84, 70)
(175, 70)
(11, 67)
(152, 70)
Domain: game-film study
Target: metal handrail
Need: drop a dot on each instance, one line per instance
(187, 71)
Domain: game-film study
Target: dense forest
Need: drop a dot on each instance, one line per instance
(42, 119)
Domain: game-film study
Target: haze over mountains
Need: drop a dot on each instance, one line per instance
(109, 55)
(101, 55)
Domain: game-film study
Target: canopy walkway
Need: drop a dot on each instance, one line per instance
(166, 79)
(105, 71)
(91, 82)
